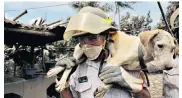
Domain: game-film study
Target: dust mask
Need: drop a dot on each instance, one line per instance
(92, 52)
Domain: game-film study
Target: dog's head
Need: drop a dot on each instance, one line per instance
(161, 46)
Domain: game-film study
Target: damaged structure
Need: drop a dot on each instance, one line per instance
(32, 83)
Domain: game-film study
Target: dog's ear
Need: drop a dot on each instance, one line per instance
(147, 37)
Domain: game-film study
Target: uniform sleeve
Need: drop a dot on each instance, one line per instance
(72, 86)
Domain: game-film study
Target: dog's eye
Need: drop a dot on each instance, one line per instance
(172, 49)
(160, 46)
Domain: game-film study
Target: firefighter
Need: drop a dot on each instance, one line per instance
(92, 28)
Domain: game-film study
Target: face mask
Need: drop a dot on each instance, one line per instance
(92, 52)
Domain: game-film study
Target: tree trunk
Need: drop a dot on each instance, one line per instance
(119, 17)
(118, 11)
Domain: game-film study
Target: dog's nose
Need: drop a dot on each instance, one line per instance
(168, 68)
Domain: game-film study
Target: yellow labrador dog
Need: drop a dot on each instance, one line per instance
(158, 48)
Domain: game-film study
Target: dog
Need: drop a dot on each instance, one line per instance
(158, 48)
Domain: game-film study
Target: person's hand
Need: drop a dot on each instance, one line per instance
(113, 74)
(61, 65)
(117, 75)
(68, 62)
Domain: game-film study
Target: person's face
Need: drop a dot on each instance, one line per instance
(92, 39)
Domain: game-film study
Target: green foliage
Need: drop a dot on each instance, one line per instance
(80, 4)
(125, 4)
(170, 9)
(135, 23)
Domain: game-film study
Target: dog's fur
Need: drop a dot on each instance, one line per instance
(158, 48)
(125, 49)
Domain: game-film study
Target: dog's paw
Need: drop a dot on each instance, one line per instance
(54, 71)
(100, 92)
(60, 85)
